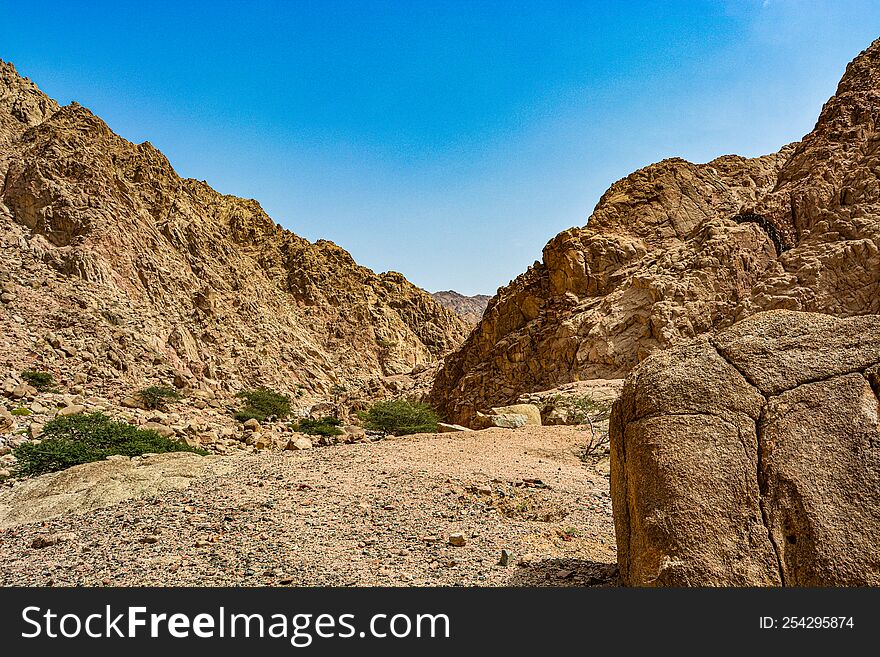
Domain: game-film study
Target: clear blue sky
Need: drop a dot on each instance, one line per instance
(445, 140)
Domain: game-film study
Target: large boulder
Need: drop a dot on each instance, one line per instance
(501, 421)
(752, 458)
(532, 412)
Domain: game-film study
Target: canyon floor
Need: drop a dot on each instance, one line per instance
(364, 514)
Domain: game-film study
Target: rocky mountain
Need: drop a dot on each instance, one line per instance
(677, 249)
(116, 271)
(470, 309)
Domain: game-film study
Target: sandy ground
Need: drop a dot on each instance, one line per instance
(370, 514)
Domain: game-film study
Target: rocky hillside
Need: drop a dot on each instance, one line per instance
(677, 249)
(470, 309)
(117, 271)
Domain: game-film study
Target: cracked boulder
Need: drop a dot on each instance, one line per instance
(752, 458)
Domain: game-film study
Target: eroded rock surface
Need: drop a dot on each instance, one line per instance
(91, 486)
(752, 458)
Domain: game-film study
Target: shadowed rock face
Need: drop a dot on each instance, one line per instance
(752, 458)
(677, 249)
(150, 274)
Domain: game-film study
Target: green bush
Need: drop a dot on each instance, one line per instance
(400, 417)
(157, 398)
(262, 403)
(583, 409)
(21, 411)
(74, 439)
(326, 426)
(42, 381)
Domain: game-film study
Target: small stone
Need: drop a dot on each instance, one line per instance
(47, 540)
(451, 428)
(68, 349)
(149, 539)
(23, 390)
(38, 408)
(505, 558)
(161, 429)
(299, 443)
(73, 409)
(252, 425)
(457, 540)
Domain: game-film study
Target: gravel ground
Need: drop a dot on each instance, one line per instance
(372, 514)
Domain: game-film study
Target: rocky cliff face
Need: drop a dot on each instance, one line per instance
(141, 275)
(677, 249)
(470, 309)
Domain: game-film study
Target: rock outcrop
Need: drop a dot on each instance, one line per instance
(90, 486)
(676, 250)
(470, 309)
(752, 458)
(114, 267)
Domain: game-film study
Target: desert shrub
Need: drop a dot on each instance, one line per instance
(42, 381)
(326, 426)
(262, 403)
(584, 410)
(400, 417)
(74, 439)
(21, 411)
(157, 398)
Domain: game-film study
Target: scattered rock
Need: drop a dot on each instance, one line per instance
(457, 540)
(451, 428)
(48, 540)
(73, 409)
(161, 429)
(299, 443)
(7, 421)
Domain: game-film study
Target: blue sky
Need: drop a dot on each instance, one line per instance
(445, 140)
